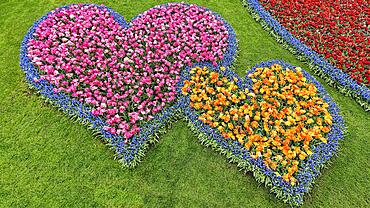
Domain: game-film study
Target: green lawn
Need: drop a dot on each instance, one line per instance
(47, 160)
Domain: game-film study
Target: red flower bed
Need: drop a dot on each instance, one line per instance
(337, 29)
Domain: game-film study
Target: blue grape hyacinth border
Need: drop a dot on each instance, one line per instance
(332, 75)
(131, 153)
(236, 153)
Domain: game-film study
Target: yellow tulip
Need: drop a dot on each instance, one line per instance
(230, 126)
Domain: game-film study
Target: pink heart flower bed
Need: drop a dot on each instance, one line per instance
(125, 74)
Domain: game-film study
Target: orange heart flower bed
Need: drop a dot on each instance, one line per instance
(278, 123)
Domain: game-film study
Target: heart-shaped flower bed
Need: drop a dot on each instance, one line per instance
(126, 74)
(336, 29)
(130, 81)
(279, 123)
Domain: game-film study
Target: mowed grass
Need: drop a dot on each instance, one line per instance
(47, 160)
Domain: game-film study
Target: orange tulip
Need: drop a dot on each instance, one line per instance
(254, 124)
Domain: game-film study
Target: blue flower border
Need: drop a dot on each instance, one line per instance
(332, 75)
(310, 168)
(129, 154)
